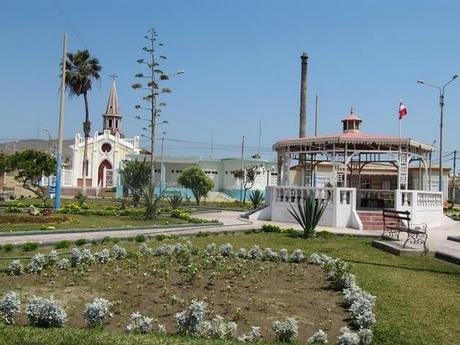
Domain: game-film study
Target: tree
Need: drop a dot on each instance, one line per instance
(134, 177)
(248, 176)
(81, 70)
(30, 167)
(195, 179)
(153, 78)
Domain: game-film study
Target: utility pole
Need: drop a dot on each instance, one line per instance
(260, 137)
(242, 170)
(453, 179)
(57, 198)
(161, 165)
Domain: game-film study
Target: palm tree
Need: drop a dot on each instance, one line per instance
(81, 70)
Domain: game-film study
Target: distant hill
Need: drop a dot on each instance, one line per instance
(37, 144)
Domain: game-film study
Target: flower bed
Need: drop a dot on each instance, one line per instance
(219, 292)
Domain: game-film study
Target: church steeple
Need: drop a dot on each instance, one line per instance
(112, 116)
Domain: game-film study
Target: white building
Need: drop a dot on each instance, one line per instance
(106, 150)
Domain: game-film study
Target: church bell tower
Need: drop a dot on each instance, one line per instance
(112, 116)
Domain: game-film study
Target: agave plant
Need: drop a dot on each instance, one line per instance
(256, 197)
(151, 201)
(175, 201)
(308, 213)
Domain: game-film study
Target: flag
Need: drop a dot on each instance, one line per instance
(402, 110)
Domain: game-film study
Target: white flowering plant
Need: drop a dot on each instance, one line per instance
(187, 321)
(10, 306)
(118, 252)
(45, 312)
(139, 323)
(252, 336)
(318, 338)
(36, 263)
(97, 311)
(286, 330)
(15, 268)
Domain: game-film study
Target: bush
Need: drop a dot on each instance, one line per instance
(347, 337)
(255, 252)
(270, 255)
(80, 242)
(51, 258)
(226, 249)
(319, 338)
(252, 336)
(257, 198)
(118, 252)
(297, 256)
(103, 256)
(64, 244)
(139, 323)
(283, 255)
(63, 264)
(217, 328)
(96, 312)
(140, 238)
(29, 246)
(175, 201)
(242, 253)
(36, 263)
(15, 268)
(187, 321)
(87, 257)
(271, 228)
(43, 312)
(75, 257)
(10, 307)
(8, 247)
(286, 331)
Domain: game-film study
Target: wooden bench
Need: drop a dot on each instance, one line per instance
(395, 222)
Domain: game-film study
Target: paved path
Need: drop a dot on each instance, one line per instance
(232, 221)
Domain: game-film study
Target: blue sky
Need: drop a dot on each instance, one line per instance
(241, 62)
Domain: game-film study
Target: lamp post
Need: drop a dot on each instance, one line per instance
(441, 122)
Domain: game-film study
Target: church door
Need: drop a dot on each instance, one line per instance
(100, 172)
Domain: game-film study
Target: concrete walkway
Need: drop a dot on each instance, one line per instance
(232, 221)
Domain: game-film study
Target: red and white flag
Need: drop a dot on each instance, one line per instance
(402, 110)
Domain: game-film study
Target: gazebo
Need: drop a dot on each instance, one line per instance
(345, 158)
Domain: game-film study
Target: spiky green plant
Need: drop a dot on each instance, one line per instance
(256, 197)
(175, 201)
(308, 213)
(151, 201)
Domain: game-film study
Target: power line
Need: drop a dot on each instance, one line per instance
(61, 11)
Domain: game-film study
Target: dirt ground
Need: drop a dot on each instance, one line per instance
(251, 293)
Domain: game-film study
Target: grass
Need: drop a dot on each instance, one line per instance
(417, 297)
(84, 221)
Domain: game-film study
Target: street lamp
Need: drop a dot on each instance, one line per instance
(49, 138)
(441, 123)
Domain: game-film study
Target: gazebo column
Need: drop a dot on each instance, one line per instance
(285, 165)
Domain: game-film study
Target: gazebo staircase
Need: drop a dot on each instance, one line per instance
(371, 219)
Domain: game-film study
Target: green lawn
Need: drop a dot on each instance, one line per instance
(76, 221)
(418, 298)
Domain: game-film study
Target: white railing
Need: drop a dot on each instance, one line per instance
(340, 210)
(424, 206)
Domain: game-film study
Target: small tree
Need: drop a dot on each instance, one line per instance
(134, 176)
(30, 166)
(248, 176)
(195, 179)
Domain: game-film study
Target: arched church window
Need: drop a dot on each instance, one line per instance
(110, 123)
(116, 123)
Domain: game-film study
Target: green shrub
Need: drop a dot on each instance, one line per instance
(140, 238)
(202, 234)
(8, 247)
(80, 242)
(29, 246)
(160, 237)
(64, 244)
(257, 198)
(271, 228)
(308, 213)
(325, 234)
(175, 201)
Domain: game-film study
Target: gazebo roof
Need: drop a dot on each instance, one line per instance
(355, 137)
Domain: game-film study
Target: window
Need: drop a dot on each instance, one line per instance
(106, 148)
(110, 123)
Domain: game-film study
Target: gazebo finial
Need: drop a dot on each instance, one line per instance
(352, 110)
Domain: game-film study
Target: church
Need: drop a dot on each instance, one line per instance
(106, 150)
